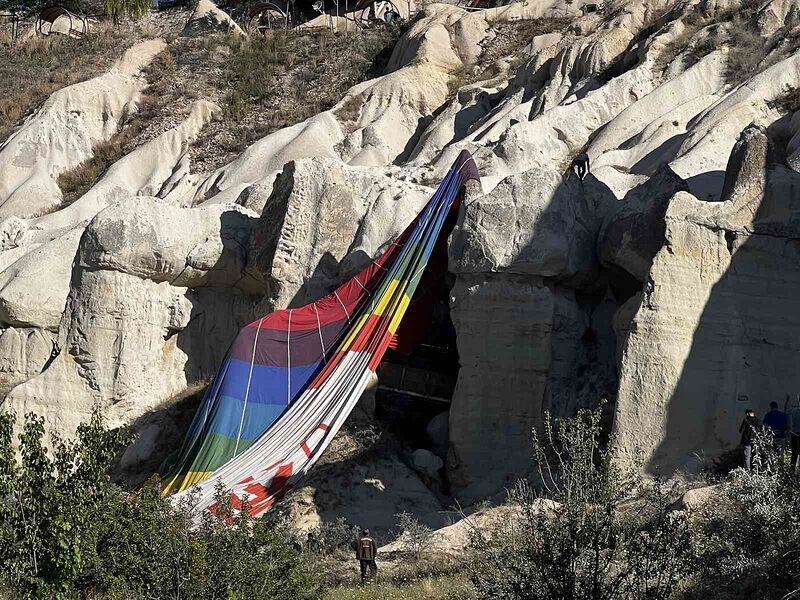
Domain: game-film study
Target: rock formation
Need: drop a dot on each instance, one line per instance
(665, 281)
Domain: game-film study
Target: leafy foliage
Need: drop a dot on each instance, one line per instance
(49, 532)
(416, 534)
(67, 531)
(747, 544)
(131, 8)
(334, 535)
(582, 541)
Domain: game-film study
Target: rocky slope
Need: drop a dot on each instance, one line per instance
(665, 281)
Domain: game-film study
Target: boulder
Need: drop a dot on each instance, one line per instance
(438, 431)
(696, 498)
(426, 462)
(209, 18)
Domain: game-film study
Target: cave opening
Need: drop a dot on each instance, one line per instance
(414, 391)
(415, 387)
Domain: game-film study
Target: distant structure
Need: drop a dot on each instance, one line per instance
(12, 17)
(270, 15)
(57, 19)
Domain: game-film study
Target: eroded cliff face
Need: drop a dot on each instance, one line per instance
(716, 328)
(665, 281)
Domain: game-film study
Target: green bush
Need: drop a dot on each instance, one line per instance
(747, 543)
(66, 531)
(585, 543)
(131, 8)
(49, 530)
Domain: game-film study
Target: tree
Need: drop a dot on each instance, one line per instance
(51, 516)
(573, 540)
(131, 8)
(66, 530)
(414, 533)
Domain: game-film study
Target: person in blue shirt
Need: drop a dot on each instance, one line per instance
(779, 423)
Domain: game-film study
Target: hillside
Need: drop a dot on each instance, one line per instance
(183, 182)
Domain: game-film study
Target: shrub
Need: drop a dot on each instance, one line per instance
(583, 545)
(415, 534)
(334, 535)
(747, 50)
(67, 531)
(747, 544)
(48, 527)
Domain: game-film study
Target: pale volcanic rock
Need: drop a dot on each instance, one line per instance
(323, 222)
(143, 318)
(716, 330)
(24, 352)
(697, 498)
(633, 233)
(37, 255)
(61, 134)
(628, 285)
(209, 18)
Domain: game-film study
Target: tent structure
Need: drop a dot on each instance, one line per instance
(292, 377)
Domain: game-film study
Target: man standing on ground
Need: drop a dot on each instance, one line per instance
(793, 414)
(366, 551)
(778, 423)
(748, 431)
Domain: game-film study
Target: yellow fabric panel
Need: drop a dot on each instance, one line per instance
(398, 313)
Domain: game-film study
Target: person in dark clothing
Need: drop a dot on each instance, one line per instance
(581, 165)
(748, 430)
(793, 413)
(366, 551)
(778, 422)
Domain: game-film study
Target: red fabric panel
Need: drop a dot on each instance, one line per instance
(351, 294)
(411, 330)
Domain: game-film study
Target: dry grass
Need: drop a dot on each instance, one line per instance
(504, 52)
(283, 78)
(155, 113)
(733, 27)
(747, 51)
(33, 69)
(77, 181)
(263, 84)
(450, 587)
(788, 102)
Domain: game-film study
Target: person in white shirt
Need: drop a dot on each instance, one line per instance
(793, 412)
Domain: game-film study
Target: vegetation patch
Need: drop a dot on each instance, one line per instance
(283, 78)
(78, 180)
(573, 540)
(510, 40)
(32, 69)
(67, 532)
(748, 52)
(449, 587)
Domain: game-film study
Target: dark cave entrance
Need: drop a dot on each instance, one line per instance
(415, 388)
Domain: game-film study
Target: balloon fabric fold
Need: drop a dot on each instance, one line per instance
(292, 377)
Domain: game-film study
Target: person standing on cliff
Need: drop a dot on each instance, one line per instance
(366, 551)
(748, 430)
(581, 165)
(793, 414)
